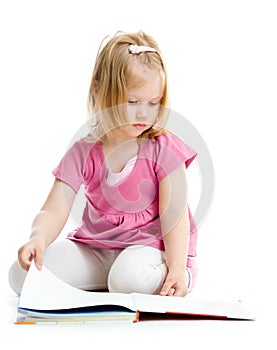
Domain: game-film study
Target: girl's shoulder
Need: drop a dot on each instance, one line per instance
(80, 151)
(83, 145)
(168, 138)
(173, 142)
(173, 146)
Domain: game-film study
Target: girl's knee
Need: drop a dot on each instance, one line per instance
(137, 270)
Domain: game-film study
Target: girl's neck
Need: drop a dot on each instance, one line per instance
(117, 152)
(114, 140)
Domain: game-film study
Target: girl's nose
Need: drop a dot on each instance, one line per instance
(142, 111)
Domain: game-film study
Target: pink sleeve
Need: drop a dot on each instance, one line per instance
(172, 153)
(71, 168)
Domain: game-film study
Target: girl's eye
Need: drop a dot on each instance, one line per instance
(150, 104)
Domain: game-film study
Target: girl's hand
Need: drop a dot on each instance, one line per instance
(34, 249)
(175, 283)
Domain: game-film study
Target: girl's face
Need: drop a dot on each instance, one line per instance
(143, 104)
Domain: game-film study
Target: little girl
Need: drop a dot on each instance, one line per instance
(137, 233)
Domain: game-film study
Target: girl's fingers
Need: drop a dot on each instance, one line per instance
(172, 289)
(180, 292)
(166, 288)
(25, 257)
(25, 260)
(38, 258)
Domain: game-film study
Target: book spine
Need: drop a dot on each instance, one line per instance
(137, 317)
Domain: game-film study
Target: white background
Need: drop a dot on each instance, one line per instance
(221, 57)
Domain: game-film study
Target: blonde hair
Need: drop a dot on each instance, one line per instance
(111, 75)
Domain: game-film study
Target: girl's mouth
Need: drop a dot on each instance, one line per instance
(139, 126)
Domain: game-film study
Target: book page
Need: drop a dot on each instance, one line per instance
(191, 305)
(42, 290)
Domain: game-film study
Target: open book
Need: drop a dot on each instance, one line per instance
(47, 299)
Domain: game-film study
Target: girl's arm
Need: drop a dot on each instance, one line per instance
(175, 228)
(48, 224)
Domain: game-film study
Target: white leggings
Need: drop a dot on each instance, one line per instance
(137, 268)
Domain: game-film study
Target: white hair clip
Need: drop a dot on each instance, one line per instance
(136, 49)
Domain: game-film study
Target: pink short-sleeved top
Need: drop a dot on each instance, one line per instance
(127, 213)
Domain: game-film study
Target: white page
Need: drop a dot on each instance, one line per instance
(42, 290)
(191, 305)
